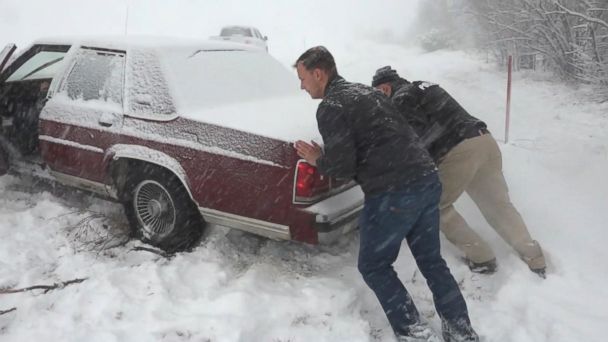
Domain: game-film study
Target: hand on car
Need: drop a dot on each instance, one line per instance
(310, 152)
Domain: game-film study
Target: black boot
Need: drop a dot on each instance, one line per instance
(487, 267)
(418, 332)
(541, 272)
(458, 331)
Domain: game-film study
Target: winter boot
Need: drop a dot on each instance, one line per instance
(419, 332)
(487, 267)
(458, 331)
(534, 257)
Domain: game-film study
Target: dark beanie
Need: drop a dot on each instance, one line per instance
(384, 75)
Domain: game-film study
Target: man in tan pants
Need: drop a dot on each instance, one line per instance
(469, 160)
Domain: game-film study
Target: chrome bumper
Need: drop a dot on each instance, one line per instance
(338, 211)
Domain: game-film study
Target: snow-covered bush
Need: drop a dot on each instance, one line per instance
(436, 39)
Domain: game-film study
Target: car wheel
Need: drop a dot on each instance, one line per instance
(160, 210)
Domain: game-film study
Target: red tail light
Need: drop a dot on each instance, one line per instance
(305, 179)
(309, 183)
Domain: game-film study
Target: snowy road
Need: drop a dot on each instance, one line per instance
(238, 288)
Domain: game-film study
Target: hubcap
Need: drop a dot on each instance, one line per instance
(154, 209)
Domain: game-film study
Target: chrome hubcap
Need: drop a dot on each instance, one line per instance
(154, 209)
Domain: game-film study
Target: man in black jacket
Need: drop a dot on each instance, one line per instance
(366, 139)
(469, 160)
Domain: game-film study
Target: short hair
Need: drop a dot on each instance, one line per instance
(318, 57)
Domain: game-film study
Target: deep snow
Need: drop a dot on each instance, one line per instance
(237, 288)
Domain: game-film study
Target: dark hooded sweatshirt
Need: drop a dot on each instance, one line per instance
(366, 139)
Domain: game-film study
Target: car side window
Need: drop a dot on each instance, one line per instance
(148, 92)
(43, 64)
(96, 75)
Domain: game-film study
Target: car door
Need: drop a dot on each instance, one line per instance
(84, 115)
(6, 54)
(23, 89)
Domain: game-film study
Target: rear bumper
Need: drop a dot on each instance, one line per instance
(322, 222)
(339, 212)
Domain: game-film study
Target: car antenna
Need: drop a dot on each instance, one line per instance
(126, 16)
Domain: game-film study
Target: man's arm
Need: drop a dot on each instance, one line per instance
(407, 100)
(339, 159)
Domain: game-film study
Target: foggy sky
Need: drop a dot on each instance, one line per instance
(288, 24)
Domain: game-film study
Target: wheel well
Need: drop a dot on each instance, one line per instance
(126, 173)
(121, 168)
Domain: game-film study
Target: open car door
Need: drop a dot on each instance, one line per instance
(3, 161)
(6, 54)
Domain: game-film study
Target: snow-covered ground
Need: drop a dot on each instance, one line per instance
(237, 288)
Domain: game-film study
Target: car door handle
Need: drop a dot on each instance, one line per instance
(108, 119)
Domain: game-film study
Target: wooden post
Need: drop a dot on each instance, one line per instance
(508, 115)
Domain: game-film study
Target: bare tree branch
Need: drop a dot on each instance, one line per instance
(580, 15)
(46, 288)
(151, 250)
(2, 312)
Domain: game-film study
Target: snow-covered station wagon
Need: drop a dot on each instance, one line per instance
(182, 133)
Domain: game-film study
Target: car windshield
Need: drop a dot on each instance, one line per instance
(208, 78)
(234, 31)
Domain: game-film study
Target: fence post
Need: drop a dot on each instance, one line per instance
(508, 114)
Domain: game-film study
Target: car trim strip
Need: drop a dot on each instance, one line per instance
(70, 143)
(259, 227)
(81, 183)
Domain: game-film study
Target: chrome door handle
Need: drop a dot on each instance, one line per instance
(108, 119)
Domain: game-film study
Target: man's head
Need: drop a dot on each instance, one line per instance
(384, 78)
(315, 67)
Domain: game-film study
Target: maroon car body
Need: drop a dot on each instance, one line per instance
(183, 133)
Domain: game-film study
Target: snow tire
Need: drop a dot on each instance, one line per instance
(160, 211)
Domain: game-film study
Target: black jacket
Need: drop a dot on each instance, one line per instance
(437, 118)
(367, 140)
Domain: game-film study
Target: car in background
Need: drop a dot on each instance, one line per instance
(243, 34)
(183, 134)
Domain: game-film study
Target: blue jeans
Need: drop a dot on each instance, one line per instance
(410, 213)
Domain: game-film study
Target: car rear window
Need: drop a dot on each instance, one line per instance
(208, 78)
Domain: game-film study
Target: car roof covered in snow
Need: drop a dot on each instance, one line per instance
(239, 87)
(128, 42)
